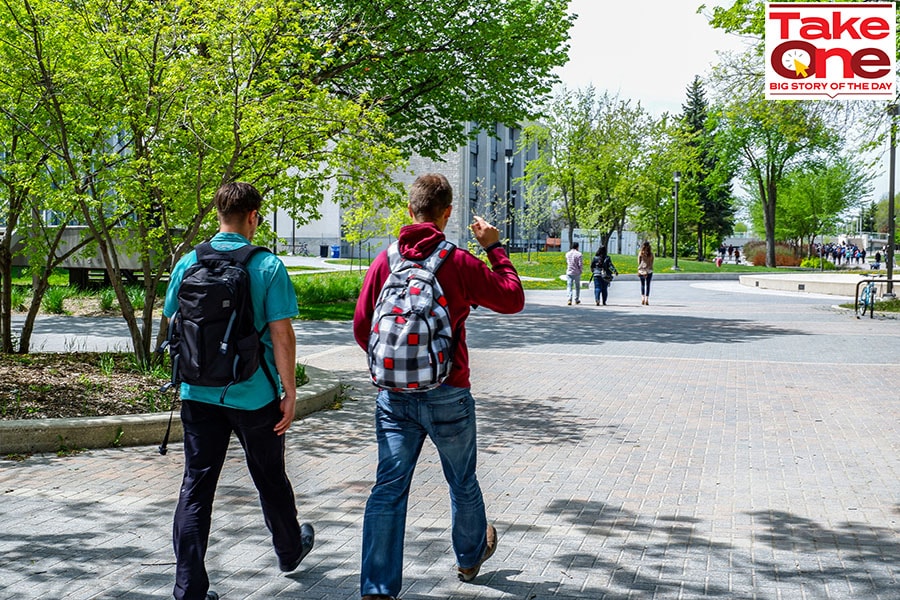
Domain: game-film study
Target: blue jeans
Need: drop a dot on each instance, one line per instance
(402, 421)
(645, 284)
(573, 282)
(601, 289)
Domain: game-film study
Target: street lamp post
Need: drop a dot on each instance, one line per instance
(893, 110)
(676, 177)
(509, 212)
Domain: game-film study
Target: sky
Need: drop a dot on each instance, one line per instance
(648, 50)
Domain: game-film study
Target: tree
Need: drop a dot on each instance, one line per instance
(768, 139)
(536, 212)
(868, 217)
(813, 199)
(881, 217)
(561, 139)
(148, 107)
(361, 221)
(710, 181)
(434, 69)
(36, 174)
(591, 152)
(612, 160)
(817, 197)
(21, 161)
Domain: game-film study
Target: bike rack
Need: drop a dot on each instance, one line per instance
(856, 296)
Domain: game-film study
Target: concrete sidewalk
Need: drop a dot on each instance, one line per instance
(720, 443)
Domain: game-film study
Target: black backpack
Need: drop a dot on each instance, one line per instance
(212, 339)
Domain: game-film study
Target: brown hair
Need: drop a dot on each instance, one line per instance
(429, 196)
(646, 251)
(236, 199)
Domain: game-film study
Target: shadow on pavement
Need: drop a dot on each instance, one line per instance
(505, 421)
(69, 556)
(544, 324)
(668, 548)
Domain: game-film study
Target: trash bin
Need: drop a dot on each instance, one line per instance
(336, 251)
(323, 251)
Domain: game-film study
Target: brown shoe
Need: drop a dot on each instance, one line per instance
(468, 574)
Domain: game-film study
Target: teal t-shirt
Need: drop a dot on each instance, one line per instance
(273, 299)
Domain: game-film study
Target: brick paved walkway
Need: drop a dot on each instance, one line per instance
(717, 443)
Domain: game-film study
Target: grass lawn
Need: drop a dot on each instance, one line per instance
(327, 296)
(891, 306)
(59, 277)
(329, 311)
(550, 265)
(332, 296)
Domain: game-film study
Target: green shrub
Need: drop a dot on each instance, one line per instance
(816, 263)
(54, 299)
(107, 299)
(300, 377)
(136, 296)
(326, 288)
(18, 294)
(107, 364)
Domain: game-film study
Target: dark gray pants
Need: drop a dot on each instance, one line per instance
(207, 431)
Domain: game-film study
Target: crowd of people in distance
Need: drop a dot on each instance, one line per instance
(842, 254)
(732, 252)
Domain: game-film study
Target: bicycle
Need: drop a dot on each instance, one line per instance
(866, 301)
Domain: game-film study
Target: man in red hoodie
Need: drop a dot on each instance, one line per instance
(445, 414)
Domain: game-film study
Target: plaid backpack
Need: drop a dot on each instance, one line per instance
(411, 341)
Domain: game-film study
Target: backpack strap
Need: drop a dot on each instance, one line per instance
(265, 365)
(432, 263)
(440, 254)
(244, 253)
(205, 251)
(395, 259)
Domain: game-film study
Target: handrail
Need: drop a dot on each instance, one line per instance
(868, 280)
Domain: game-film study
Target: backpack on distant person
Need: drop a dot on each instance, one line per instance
(603, 269)
(212, 338)
(411, 340)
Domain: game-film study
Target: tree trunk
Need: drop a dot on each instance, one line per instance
(40, 288)
(570, 212)
(139, 342)
(6, 345)
(700, 242)
(769, 220)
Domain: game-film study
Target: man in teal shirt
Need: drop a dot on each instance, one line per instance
(255, 412)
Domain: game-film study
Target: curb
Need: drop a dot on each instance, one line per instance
(54, 435)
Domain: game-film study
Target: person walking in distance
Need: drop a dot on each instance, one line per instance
(602, 270)
(645, 271)
(445, 411)
(259, 409)
(574, 267)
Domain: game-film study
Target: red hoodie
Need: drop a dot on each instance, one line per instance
(466, 281)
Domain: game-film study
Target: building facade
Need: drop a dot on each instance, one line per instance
(483, 174)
